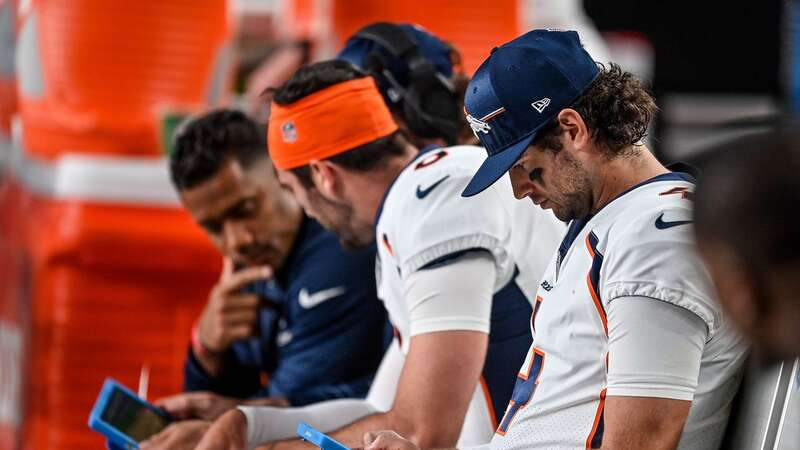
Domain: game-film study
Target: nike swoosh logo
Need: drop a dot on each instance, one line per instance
(662, 225)
(422, 193)
(309, 301)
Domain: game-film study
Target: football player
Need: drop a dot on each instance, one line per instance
(289, 296)
(456, 275)
(630, 348)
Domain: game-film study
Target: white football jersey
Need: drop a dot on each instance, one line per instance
(639, 245)
(425, 221)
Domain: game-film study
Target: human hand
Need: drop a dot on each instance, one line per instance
(230, 314)
(197, 405)
(178, 436)
(229, 432)
(387, 440)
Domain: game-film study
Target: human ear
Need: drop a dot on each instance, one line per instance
(325, 177)
(574, 128)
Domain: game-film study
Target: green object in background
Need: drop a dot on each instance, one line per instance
(169, 123)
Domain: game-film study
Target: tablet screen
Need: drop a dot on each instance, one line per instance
(131, 417)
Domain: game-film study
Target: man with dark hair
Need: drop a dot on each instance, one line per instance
(420, 78)
(455, 275)
(630, 348)
(291, 305)
(746, 208)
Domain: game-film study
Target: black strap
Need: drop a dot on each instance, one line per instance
(391, 37)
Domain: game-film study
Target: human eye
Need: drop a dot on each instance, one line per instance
(245, 208)
(212, 227)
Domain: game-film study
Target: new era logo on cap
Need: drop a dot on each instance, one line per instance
(540, 105)
(521, 87)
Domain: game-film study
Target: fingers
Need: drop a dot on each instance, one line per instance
(369, 438)
(227, 269)
(241, 302)
(230, 314)
(386, 440)
(191, 405)
(240, 332)
(240, 317)
(157, 440)
(178, 406)
(241, 278)
(178, 436)
(228, 432)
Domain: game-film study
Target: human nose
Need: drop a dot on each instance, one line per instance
(520, 183)
(237, 235)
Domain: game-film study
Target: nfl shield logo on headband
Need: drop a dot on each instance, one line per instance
(289, 132)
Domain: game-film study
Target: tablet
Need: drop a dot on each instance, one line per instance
(318, 438)
(124, 418)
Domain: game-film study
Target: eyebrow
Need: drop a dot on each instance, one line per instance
(220, 218)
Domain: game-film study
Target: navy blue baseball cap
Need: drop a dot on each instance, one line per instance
(523, 85)
(357, 49)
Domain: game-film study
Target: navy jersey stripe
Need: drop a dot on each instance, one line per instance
(593, 278)
(595, 439)
(509, 342)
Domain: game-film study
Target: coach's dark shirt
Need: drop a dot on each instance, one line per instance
(321, 334)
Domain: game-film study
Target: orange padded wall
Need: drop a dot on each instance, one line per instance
(474, 26)
(110, 69)
(113, 288)
(110, 282)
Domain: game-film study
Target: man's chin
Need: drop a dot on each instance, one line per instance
(564, 216)
(270, 258)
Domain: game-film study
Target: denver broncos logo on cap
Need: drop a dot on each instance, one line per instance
(289, 132)
(480, 125)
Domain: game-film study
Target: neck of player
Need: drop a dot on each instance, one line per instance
(373, 185)
(615, 176)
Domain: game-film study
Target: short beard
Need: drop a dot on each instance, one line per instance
(338, 218)
(576, 200)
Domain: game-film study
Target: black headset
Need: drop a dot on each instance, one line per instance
(430, 103)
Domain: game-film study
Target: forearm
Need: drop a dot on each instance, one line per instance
(350, 435)
(266, 424)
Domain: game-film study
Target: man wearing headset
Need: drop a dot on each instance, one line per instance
(420, 78)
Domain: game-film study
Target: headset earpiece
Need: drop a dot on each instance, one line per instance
(430, 103)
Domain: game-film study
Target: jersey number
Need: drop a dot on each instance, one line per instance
(431, 159)
(523, 390)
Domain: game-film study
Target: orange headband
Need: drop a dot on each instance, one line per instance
(329, 122)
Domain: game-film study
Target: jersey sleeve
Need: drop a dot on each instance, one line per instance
(654, 256)
(454, 296)
(634, 368)
(439, 224)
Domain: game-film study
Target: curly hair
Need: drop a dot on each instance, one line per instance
(616, 109)
(203, 144)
